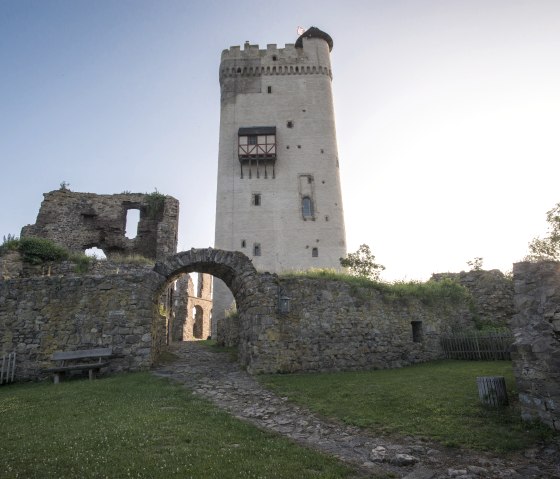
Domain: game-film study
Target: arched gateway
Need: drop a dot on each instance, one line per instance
(255, 293)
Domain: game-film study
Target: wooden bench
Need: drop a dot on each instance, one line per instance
(82, 360)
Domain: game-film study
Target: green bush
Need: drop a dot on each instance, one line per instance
(156, 202)
(41, 250)
(10, 243)
(82, 262)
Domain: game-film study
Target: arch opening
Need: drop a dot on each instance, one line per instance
(189, 315)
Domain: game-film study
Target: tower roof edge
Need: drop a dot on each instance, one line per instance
(314, 32)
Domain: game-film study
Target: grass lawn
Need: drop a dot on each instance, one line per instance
(437, 400)
(139, 426)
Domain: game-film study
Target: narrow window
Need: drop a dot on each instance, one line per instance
(307, 207)
(256, 199)
(243, 243)
(132, 220)
(290, 124)
(274, 58)
(257, 249)
(269, 89)
(252, 139)
(315, 252)
(417, 335)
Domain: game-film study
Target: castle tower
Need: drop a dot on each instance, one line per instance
(278, 198)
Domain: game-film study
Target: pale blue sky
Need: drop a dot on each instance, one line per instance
(448, 114)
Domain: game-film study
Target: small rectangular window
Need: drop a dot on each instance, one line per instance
(417, 334)
(243, 243)
(256, 199)
(290, 124)
(315, 252)
(252, 140)
(269, 89)
(257, 249)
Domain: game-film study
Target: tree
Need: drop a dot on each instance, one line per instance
(362, 263)
(549, 246)
(476, 263)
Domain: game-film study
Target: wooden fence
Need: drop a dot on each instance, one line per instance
(7, 368)
(477, 346)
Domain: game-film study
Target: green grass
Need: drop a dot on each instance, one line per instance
(436, 400)
(137, 425)
(429, 292)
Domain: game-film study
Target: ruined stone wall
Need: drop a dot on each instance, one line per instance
(79, 221)
(180, 302)
(40, 315)
(492, 293)
(536, 352)
(336, 326)
(331, 325)
(12, 266)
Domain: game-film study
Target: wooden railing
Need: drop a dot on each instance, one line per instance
(477, 346)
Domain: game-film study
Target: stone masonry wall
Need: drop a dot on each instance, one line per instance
(331, 325)
(40, 315)
(536, 352)
(335, 326)
(79, 221)
(492, 293)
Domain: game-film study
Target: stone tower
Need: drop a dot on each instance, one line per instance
(278, 198)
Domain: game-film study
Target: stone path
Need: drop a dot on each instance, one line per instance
(212, 375)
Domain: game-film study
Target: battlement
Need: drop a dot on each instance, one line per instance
(293, 59)
(254, 51)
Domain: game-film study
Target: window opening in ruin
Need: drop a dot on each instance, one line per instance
(132, 220)
(307, 207)
(256, 199)
(417, 334)
(95, 252)
(315, 252)
(269, 89)
(257, 249)
(198, 315)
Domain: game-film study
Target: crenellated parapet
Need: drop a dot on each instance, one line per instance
(310, 55)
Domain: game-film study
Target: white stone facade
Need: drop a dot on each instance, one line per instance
(284, 210)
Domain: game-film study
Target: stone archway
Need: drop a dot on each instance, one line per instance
(254, 293)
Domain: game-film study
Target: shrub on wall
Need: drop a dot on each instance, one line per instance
(41, 250)
(10, 243)
(156, 203)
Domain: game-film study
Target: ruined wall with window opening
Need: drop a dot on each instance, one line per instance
(79, 221)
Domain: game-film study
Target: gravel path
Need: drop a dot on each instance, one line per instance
(214, 376)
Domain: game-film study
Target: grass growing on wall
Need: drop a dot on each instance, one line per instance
(137, 425)
(437, 400)
(428, 292)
